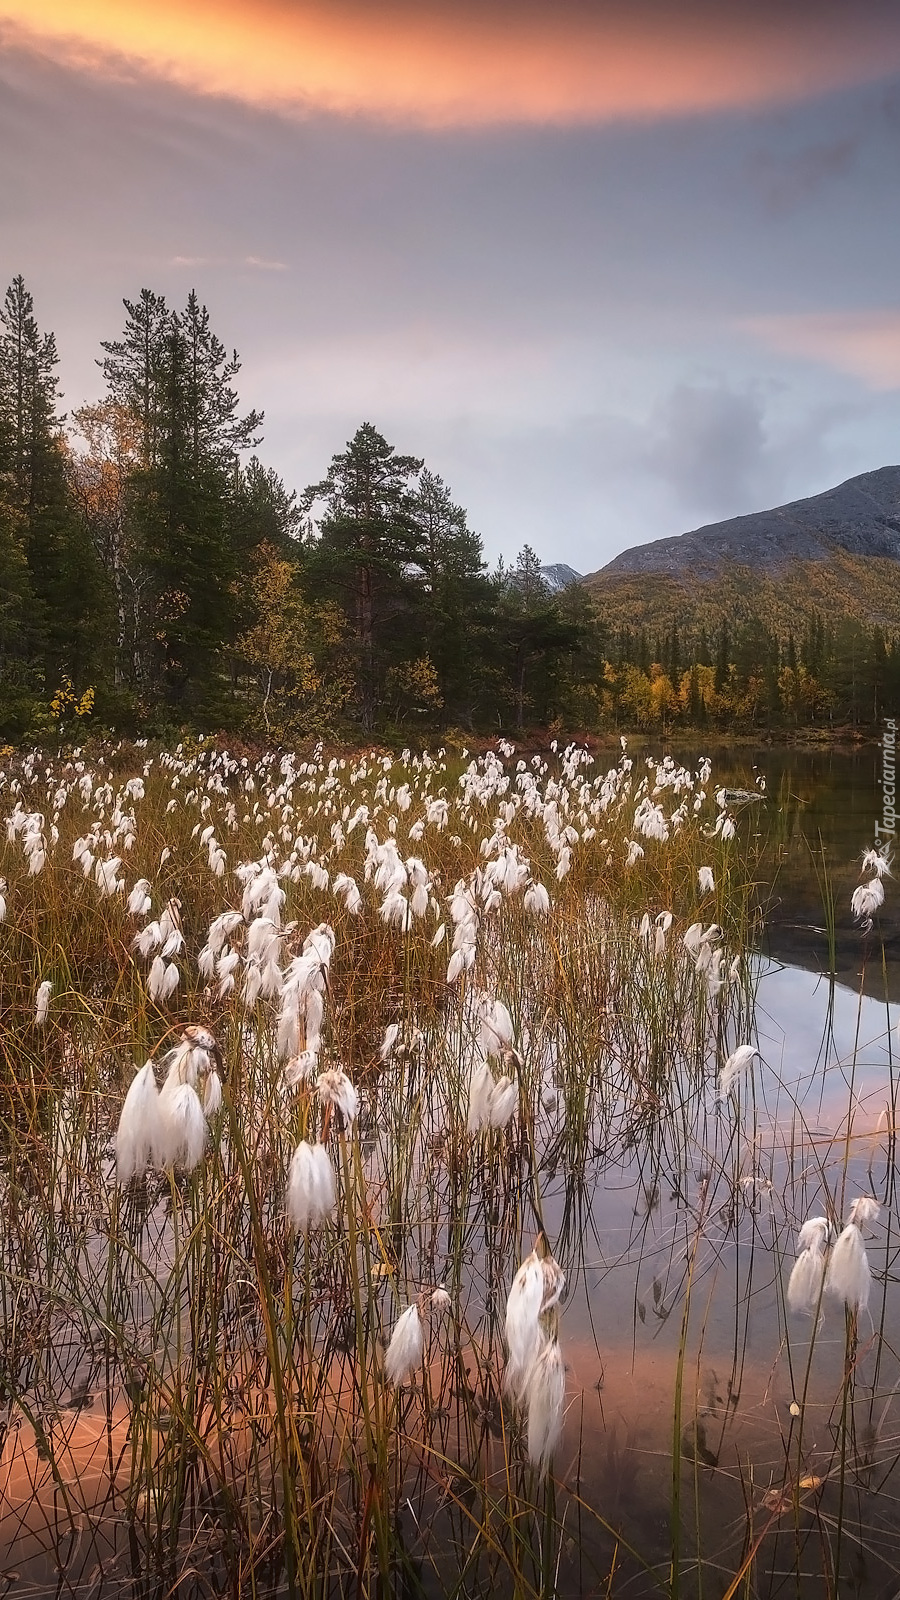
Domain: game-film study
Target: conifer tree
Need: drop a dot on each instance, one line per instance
(172, 373)
(457, 599)
(369, 552)
(64, 585)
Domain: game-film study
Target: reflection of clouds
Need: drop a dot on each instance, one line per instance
(826, 1066)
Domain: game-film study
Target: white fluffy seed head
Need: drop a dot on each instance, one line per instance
(523, 1331)
(545, 1398)
(310, 1195)
(42, 1002)
(334, 1088)
(864, 1209)
(184, 1124)
(848, 1276)
(404, 1353)
(734, 1067)
(140, 1136)
(806, 1281)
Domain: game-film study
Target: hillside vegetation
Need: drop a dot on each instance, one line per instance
(157, 576)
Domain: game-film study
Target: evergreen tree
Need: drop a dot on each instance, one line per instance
(533, 633)
(187, 501)
(64, 584)
(369, 554)
(457, 596)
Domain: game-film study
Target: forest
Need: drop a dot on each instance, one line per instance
(156, 577)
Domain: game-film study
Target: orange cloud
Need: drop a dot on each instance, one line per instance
(458, 63)
(865, 344)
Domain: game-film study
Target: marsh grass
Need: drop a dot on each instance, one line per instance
(194, 1398)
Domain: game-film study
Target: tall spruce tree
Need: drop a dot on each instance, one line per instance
(62, 626)
(368, 555)
(533, 634)
(172, 373)
(457, 598)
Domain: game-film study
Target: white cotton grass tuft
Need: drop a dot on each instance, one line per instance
(301, 1068)
(536, 900)
(536, 1289)
(391, 1034)
(877, 861)
(734, 1067)
(523, 1330)
(185, 1124)
(808, 1275)
(335, 1089)
(504, 1102)
(404, 1353)
(492, 1102)
(310, 1197)
(212, 1096)
(139, 902)
(163, 979)
(481, 1089)
(848, 1276)
(866, 900)
(42, 1002)
(495, 1025)
(168, 1127)
(141, 1135)
(706, 880)
(545, 1398)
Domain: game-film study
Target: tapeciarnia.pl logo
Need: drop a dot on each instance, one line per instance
(887, 827)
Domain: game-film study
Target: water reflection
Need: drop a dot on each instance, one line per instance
(785, 1428)
(820, 811)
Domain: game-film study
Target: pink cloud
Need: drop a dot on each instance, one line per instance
(443, 64)
(865, 344)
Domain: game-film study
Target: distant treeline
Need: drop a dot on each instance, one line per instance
(155, 575)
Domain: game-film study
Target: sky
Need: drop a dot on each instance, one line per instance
(614, 268)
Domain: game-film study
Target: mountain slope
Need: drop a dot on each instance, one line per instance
(865, 588)
(860, 517)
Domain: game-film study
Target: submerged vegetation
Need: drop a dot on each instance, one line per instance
(370, 1131)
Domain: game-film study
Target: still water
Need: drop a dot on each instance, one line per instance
(786, 1428)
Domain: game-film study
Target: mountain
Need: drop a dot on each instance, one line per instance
(559, 576)
(835, 556)
(860, 517)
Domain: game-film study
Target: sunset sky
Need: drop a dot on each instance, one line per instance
(615, 269)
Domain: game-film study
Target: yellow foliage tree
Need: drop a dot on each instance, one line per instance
(414, 686)
(301, 678)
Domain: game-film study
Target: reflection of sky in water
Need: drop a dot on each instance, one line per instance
(714, 1219)
(825, 1052)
